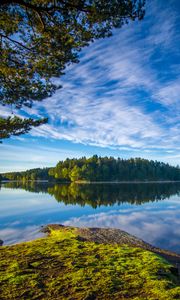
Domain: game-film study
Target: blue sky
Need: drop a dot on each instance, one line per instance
(122, 99)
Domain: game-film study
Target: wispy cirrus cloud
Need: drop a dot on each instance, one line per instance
(169, 94)
(124, 93)
(115, 97)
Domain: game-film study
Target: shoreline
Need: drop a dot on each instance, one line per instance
(93, 182)
(126, 182)
(87, 264)
(107, 236)
(116, 236)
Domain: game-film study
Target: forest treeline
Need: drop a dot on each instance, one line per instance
(32, 174)
(98, 168)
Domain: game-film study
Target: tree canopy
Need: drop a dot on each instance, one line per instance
(98, 168)
(39, 38)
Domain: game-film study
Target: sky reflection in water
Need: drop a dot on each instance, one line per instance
(149, 211)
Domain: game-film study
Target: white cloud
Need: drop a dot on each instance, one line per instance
(150, 225)
(170, 94)
(121, 95)
(19, 158)
(12, 235)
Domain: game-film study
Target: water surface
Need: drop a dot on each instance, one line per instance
(146, 210)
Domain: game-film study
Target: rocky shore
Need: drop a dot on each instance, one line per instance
(71, 263)
(119, 237)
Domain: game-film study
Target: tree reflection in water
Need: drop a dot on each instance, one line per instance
(106, 194)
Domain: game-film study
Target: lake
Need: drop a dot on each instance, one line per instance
(150, 211)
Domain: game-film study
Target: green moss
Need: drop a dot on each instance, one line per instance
(62, 266)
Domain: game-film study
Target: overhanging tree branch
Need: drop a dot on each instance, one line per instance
(40, 38)
(14, 126)
(15, 42)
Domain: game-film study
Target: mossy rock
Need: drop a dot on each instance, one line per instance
(65, 266)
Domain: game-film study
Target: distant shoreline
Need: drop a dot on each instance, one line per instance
(94, 182)
(121, 182)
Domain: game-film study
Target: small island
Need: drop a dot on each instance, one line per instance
(100, 169)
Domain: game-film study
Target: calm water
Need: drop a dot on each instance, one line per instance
(149, 211)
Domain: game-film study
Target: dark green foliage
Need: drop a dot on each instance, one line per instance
(40, 38)
(33, 174)
(17, 126)
(65, 267)
(111, 169)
